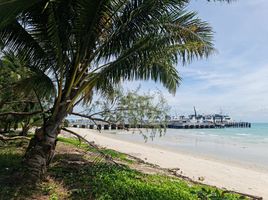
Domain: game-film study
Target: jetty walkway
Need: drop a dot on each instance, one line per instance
(172, 125)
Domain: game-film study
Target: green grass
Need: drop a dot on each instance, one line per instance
(72, 176)
(105, 181)
(73, 142)
(112, 182)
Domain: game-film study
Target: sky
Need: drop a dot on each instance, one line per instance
(234, 80)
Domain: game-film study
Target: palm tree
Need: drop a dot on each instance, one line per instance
(83, 47)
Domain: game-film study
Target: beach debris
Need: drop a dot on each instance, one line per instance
(201, 178)
(176, 171)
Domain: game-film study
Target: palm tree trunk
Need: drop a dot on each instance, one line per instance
(42, 146)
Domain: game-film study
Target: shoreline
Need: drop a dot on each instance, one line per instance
(214, 158)
(223, 174)
(216, 147)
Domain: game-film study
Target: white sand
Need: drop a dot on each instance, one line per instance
(221, 174)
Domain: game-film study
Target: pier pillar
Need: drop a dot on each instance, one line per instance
(127, 126)
(120, 126)
(113, 126)
(106, 126)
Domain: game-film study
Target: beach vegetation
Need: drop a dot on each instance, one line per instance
(131, 109)
(75, 173)
(16, 105)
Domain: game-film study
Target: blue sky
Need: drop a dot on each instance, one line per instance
(235, 79)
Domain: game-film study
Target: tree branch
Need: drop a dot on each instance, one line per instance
(110, 111)
(4, 138)
(21, 113)
(91, 118)
(22, 101)
(78, 101)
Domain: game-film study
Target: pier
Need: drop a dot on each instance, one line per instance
(103, 126)
(194, 121)
(172, 125)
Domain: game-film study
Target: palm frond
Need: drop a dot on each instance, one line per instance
(10, 9)
(40, 83)
(32, 77)
(15, 38)
(132, 22)
(154, 55)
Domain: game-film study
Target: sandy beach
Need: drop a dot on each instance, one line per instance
(228, 175)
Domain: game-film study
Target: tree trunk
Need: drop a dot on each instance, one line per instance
(25, 128)
(42, 147)
(7, 127)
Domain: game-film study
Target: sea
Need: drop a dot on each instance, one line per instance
(247, 146)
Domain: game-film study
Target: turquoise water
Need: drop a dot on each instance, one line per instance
(242, 145)
(258, 133)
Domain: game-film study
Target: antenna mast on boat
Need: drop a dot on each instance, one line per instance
(195, 112)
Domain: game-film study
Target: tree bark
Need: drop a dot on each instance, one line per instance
(42, 146)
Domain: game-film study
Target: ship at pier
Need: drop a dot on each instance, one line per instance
(205, 121)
